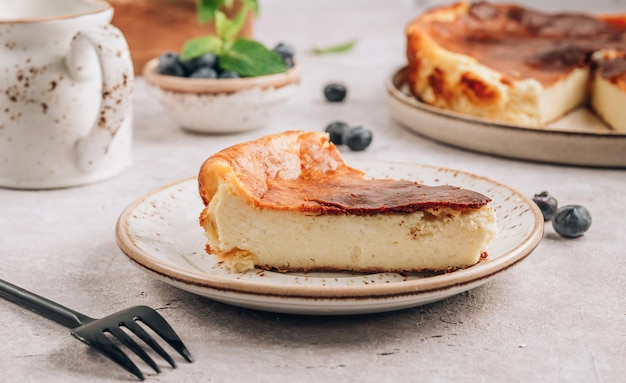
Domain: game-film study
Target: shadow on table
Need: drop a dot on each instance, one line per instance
(449, 317)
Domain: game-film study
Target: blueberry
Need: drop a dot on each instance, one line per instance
(229, 74)
(208, 60)
(204, 72)
(286, 53)
(547, 204)
(358, 138)
(169, 64)
(571, 221)
(337, 132)
(335, 92)
(285, 50)
(288, 61)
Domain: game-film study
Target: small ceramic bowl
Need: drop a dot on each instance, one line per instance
(222, 105)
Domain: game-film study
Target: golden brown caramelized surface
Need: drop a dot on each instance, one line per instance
(303, 171)
(518, 42)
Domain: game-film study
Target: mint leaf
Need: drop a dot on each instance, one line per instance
(235, 25)
(254, 5)
(250, 58)
(228, 29)
(200, 45)
(339, 48)
(222, 23)
(205, 9)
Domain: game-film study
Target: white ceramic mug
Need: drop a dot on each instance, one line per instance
(66, 81)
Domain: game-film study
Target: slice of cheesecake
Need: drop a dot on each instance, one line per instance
(288, 202)
(505, 62)
(608, 95)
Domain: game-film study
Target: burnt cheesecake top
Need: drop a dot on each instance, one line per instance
(303, 171)
(519, 42)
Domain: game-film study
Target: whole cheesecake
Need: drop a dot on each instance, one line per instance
(513, 64)
(289, 202)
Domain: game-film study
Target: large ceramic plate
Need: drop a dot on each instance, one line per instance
(160, 234)
(578, 138)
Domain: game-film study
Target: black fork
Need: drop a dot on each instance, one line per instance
(97, 333)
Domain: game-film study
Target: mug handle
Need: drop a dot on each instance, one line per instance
(116, 69)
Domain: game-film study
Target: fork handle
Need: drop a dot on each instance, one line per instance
(42, 306)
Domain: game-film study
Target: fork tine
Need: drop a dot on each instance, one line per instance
(133, 346)
(105, 346)
(158, 324)
(143, 335)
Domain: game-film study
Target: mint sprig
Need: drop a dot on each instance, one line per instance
(245, 56)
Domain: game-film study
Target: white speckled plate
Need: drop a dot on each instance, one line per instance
(578, 138)
(160, 234)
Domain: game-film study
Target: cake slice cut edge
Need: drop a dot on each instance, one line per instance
(608, 98)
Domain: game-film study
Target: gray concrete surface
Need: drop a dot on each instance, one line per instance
(558, 316)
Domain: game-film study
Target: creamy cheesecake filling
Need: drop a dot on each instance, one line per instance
(563, 96)
(609, 88)
(609, 102)
(242, 236)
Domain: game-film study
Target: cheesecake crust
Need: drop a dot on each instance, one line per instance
(304, 172)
